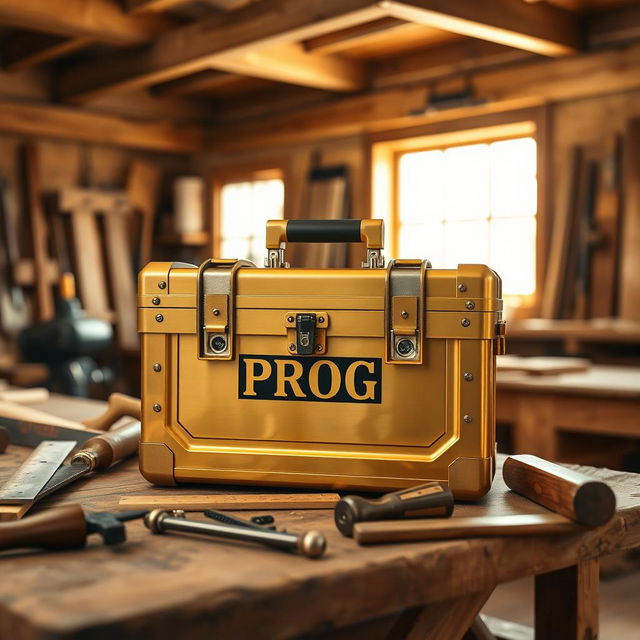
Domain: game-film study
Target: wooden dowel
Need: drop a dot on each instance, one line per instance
(472, 527)
(246, 502)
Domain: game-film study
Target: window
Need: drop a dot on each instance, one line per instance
(244, 206)
(465, 196)
(473, 203)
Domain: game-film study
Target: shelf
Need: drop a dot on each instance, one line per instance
(185, 239)
(597, 330)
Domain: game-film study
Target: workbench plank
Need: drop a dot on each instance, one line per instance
(164, 587)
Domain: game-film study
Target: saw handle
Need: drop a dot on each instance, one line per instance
(59, 528)
(104, 450)
(570, 493)
(119, 406)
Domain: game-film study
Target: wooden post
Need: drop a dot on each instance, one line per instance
(566, 603)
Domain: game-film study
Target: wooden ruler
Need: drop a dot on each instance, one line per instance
(239, 502)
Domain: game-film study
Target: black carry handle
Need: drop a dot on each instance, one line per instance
(279, 232)
(323, 231)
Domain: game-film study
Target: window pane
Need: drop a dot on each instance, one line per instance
(423, 241)
(513, 253)
(466, 242)
(513, 178)
(421, 186)
(467, 182)
(245, 209)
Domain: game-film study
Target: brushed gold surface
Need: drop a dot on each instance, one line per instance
(418, 432)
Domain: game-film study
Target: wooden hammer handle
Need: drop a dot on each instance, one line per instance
(60, 528)
(569, 493)
(120, 405)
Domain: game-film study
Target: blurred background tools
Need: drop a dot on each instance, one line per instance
(68, 343)
(42, 473)
(311, 544)
(65, 527)
(575, 498)
(433, 499)
(28, 426)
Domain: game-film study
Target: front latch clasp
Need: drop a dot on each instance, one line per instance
(307, 332)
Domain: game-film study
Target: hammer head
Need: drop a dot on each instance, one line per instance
(111, 525)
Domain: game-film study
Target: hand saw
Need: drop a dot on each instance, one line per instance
(43, 472)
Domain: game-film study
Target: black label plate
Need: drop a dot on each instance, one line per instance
(356, 380)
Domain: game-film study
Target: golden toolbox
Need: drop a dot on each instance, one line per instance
(374, 378)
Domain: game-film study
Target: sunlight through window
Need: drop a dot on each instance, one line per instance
(473, 203)
(244, 210)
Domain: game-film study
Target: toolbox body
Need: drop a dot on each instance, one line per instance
(371, 379)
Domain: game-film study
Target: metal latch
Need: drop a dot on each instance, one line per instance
(501, 342)
(307, 332)
(405, 311)
(216, 283)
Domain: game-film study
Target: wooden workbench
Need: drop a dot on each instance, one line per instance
(603, 400)
(169, 587)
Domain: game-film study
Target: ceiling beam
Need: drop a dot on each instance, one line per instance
(74, 124)
(208, 80)
(195, 47)
(101, 20)
(526, 85)
(20, 49)
(151, 6)
(291, 64)
(539, 27)
(346, 39)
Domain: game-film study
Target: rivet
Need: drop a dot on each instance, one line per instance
(216, 312)
(468, 376)
(405, 314)
(318, 347)
(321, 319)
(157, 367)
(292, 347)
(462, 287)
(290, 318)
(157, 408)
(159, 317)
(467, 417)
(155, 301)
(470, 304)
(162, 284)
(465, 322)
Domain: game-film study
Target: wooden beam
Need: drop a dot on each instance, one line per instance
(613, 26)
(208, 80)
(526, 85)
(144, 6)
(101, 20)
(21, 49)
(196, 46)
(345, 39)
(73, 124)
(540, 28)
(291, 64)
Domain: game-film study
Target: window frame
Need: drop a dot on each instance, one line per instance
(267, 169)
(386, 148)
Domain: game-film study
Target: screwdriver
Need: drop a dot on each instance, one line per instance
(430, 500)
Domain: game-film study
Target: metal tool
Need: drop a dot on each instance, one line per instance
(42, 473)
(430, 500)
(226, 518)
(65, 527)
(25, 484)
(311, 544)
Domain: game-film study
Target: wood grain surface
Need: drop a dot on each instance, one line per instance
(168, 587)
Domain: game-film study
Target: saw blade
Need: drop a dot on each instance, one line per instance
(65, 475)
(34, 473)
(31, 434)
